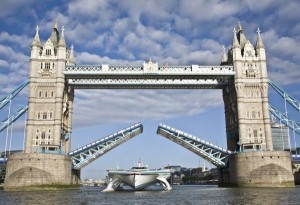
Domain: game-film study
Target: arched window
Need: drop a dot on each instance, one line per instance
(253, 114)
(40, 94)
(46, 94)
(52, 93)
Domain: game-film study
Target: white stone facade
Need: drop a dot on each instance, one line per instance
(246, 99)
(50, 99)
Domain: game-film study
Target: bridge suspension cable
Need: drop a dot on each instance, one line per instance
(292, 101)
(13, 94)
(88, 153)
(212, 153)
(287, 121)
(8, 121)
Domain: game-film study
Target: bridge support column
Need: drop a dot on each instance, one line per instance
(258, 169)
(33, 171)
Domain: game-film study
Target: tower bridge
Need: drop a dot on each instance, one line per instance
(248, 161)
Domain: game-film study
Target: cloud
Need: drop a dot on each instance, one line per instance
(17, 40)
(14, 68)
(283, 72)
(13, 6)
(115, 106)
(180, 32)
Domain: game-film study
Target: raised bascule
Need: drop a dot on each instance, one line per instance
(248, 161)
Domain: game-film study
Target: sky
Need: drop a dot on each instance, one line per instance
(174, 32)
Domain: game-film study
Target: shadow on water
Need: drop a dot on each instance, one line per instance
(155, 195)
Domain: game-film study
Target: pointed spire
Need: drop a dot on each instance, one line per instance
(259, 43)
(55, 25)
(235, 43)
(36, 41)
(54, 35)
(62, 41)
(71, 56)
(241, 36)
(224, 56)
(239, 28)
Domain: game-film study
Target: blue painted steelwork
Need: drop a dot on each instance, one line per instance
(13, 94)
(287, 121)
(295, 158)
(3, 160)
(8, 121)
(212, 153)
(88, 153)
(286, 96)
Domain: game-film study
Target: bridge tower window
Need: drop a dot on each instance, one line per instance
(47, 66)
(48, 52)
(43, 135)
(44, 115)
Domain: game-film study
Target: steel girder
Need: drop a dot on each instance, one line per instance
(141, 77)
(88, 153)
(292, 101)
(287, 121)
(13, 94)
(8, 121)
(212, 153)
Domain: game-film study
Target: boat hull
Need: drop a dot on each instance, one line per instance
(138, 180)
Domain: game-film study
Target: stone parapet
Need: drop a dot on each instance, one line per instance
(33, 171)
(258, 169)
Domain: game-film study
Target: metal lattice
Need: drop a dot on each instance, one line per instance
(212, 153)
(13, 94)
(145, 77)
(88, 153)
(292, 101)
(8, 121)
(287, 121)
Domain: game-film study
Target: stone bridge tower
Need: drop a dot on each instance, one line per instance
(246, 98)
(50, 99)
(49, 121)
(247, 116)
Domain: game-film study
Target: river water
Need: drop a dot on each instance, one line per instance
(180, 194)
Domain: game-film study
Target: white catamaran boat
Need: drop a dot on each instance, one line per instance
(138, 177)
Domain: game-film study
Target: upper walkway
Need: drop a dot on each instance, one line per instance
(148, 76)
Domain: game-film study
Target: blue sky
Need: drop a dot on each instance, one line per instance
(178, 32)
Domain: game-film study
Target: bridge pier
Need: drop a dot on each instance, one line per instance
(36, 171)
(258, 169)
